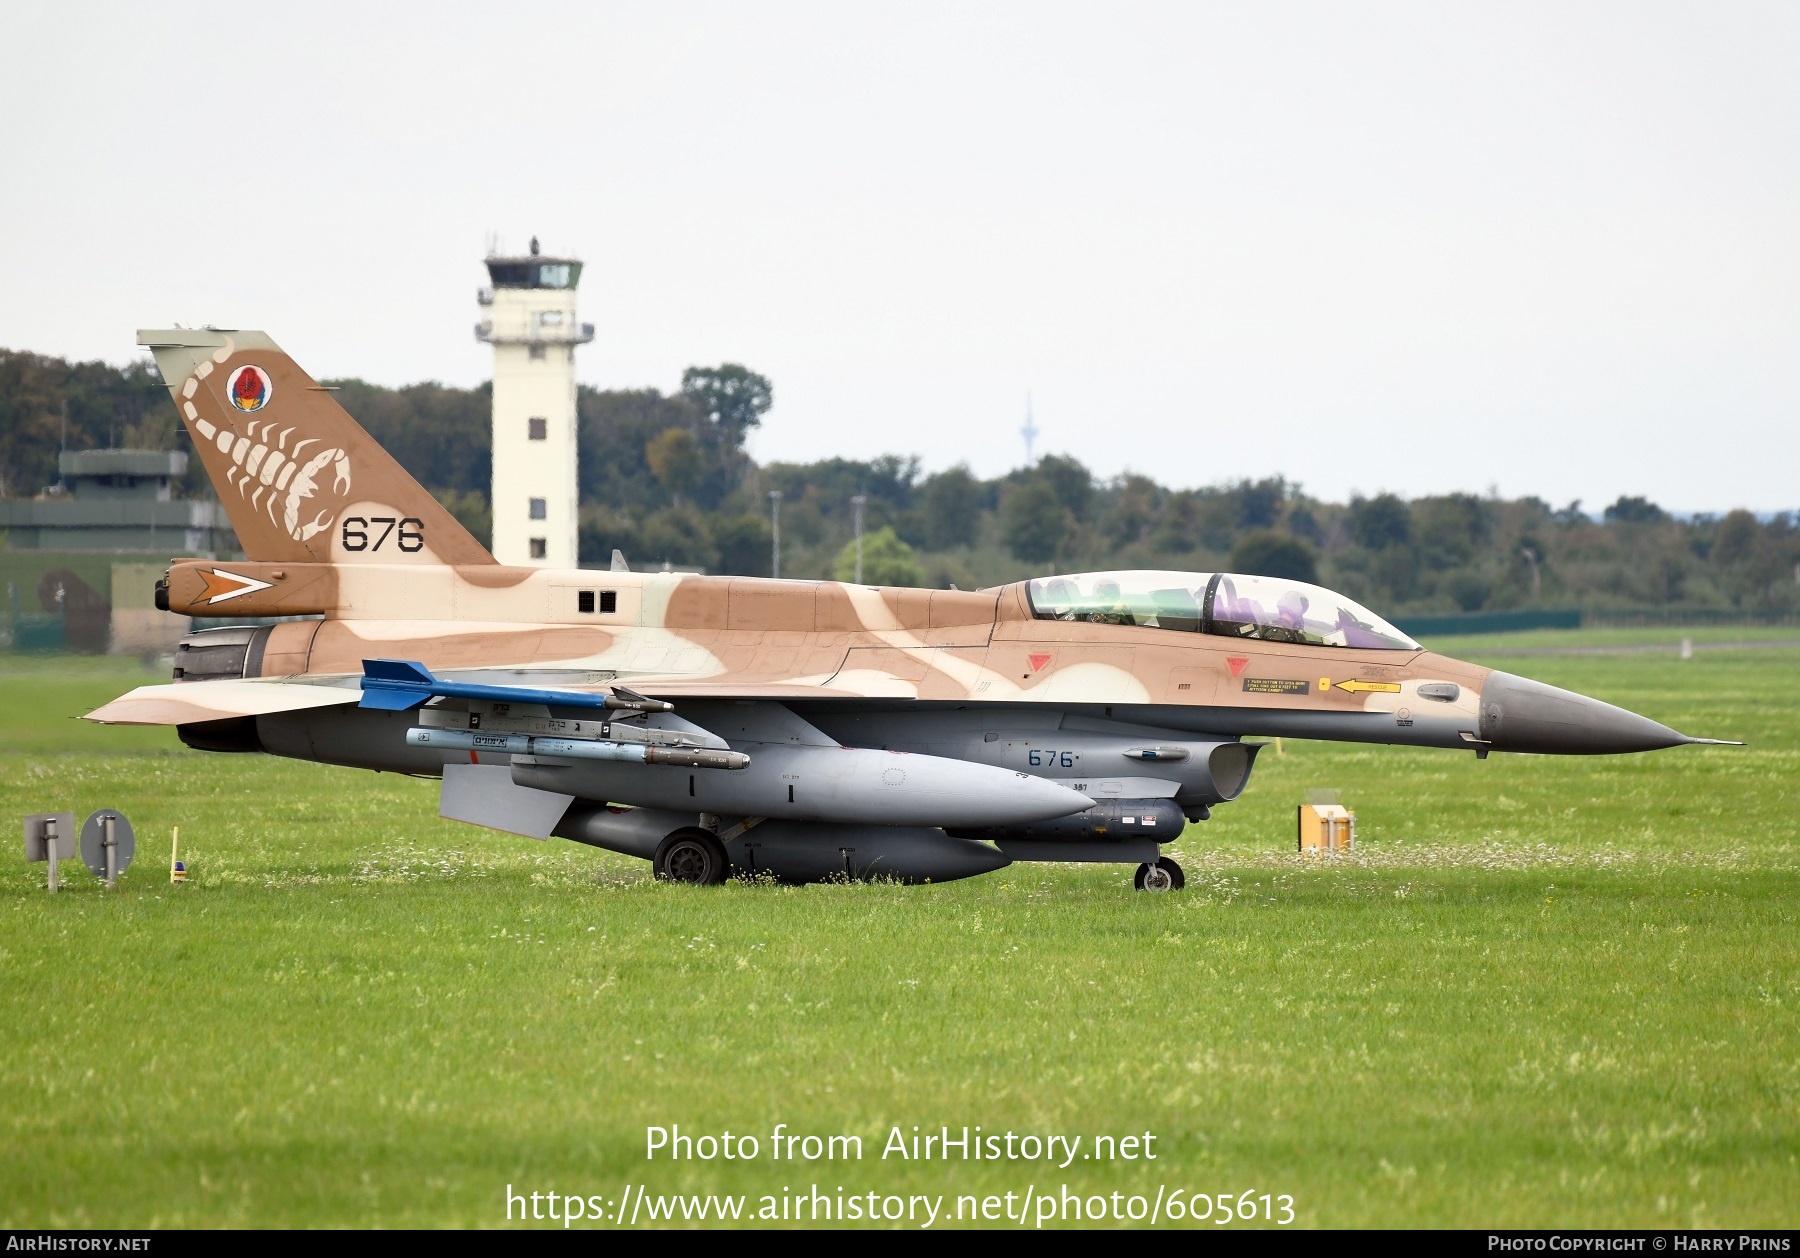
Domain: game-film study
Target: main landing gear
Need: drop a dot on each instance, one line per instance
(691, 854)
(1164, 875)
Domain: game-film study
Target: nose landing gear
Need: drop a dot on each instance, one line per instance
(1164, 875)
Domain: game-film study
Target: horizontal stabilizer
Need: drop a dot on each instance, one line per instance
(192, 702)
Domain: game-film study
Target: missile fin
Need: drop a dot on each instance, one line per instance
(399, 685)
(398, 670)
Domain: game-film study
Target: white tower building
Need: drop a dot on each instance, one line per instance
(531, 324)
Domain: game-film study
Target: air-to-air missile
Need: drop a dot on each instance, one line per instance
(791, 729)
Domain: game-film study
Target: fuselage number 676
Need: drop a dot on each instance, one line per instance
(409, 537)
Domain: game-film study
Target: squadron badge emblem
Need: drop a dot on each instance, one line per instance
(249, 388)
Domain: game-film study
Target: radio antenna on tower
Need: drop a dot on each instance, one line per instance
(1029, 431)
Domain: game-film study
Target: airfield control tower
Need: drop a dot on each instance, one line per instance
(530, 322)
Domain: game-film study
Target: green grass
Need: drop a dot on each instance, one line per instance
(1546, 991)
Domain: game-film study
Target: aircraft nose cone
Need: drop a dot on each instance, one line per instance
(1518, 714)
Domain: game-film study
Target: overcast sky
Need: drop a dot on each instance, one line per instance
(1550, 249)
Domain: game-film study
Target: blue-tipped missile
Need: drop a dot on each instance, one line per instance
(576, 749)
(402, 685)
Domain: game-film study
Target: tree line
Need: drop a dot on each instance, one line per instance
(665, 478)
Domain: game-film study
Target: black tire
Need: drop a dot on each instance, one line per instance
(1166, 868)
(692, 855)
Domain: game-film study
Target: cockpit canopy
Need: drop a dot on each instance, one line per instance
(1267, 609)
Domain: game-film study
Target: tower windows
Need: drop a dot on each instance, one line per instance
(537, 353)
(538, 549)
(538, 428)
(539, 509)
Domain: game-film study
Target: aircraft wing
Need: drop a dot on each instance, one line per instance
(674, 691)
(188, 702)
(402, 685)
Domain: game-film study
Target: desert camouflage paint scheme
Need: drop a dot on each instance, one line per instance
(1078, 718)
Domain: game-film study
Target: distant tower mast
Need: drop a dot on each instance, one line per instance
(530, 322)
(1029, 432)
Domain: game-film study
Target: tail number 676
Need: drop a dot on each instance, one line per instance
(409, 536)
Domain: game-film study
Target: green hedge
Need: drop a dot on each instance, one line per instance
(1607, 618)
(1488, 622)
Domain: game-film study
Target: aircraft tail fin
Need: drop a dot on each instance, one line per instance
(299, 478)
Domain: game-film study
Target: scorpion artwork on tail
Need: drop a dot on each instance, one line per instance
(270, 466)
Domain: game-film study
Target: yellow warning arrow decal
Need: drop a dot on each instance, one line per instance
(1386, 687)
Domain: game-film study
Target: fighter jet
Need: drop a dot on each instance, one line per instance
(798, 730)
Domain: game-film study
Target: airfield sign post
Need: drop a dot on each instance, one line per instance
(50, 836)
(107, 844)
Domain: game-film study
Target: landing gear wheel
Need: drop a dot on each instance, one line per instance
(1164, 875)
(692, 855)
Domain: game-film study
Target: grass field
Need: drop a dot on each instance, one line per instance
(1546, 991)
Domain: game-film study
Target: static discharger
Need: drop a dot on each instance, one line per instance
(1327, 828)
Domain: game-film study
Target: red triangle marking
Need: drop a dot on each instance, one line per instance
(1238, 663)
(1038, 662)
